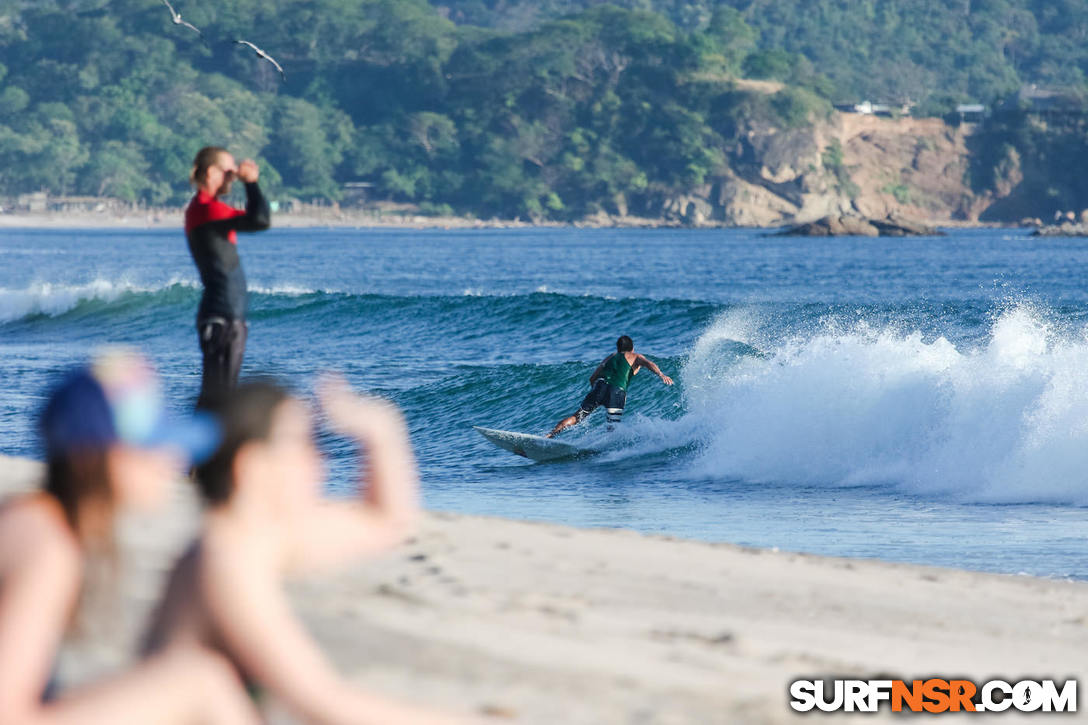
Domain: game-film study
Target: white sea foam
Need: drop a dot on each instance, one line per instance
(47, 298)
(1004, 422)
(286, 290)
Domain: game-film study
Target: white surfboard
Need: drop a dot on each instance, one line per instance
(538, 448)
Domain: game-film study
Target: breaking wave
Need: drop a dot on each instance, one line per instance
(1005, 421)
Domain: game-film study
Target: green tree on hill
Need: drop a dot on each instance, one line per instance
(553, 109)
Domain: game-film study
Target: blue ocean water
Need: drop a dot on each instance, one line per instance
(919, 400)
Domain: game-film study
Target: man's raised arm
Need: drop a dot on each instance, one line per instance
(258, 216)
(646, 362)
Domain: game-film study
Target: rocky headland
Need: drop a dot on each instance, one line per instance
(848, 173)
(858, 226)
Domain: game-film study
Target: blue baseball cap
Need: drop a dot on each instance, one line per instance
(117, 399)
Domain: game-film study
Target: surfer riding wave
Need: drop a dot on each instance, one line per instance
(610, 381)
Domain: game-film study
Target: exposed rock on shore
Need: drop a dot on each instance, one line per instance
(1068, 229)
(856, 226)
(849, 164)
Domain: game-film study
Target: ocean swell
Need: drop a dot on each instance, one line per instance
(49, 299)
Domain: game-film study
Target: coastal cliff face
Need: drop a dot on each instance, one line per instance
(850, 164)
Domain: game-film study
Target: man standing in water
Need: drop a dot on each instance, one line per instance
(609, 382)
(211, 227)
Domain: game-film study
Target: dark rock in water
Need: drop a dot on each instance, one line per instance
(855, 226)
(1068, 229)
(833, 227)
(899, 227)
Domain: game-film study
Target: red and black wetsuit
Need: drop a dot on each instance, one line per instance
(211, 228)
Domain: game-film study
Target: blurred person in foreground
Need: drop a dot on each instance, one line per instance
(109, 448)
(266, 521)
(212, 227)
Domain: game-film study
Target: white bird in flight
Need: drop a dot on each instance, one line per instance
(176, 17)
(262, 54)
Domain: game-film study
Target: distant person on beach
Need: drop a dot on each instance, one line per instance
(609, 384)
(265, 521)
(212, 227)
(108, 449)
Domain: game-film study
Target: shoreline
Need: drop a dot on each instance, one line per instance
(357, 219)
(540, 623)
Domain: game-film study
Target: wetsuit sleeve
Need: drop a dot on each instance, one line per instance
(257, 216)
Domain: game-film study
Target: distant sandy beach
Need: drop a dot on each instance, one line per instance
(539, 623)
(354, 219)
(173, 219)
(330, 218)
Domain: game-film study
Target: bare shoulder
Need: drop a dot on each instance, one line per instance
(34, 532)
(226, 555)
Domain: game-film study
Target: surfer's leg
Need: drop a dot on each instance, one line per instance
(212, 350)
(593, 398)
(568, 422)
(236, 351)
(223, 344)
(617, 399)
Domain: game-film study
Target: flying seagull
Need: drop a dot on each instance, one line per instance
(176, 17)
(262, 54)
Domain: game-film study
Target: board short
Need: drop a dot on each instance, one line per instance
(612, 398)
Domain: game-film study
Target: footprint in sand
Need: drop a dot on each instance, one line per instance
(713, 640)
(498, 711)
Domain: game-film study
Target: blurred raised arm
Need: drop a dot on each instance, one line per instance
(251, 615)
(387, 509)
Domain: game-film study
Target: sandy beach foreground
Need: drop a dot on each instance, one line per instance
(539, 623)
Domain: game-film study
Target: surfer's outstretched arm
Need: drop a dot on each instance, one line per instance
(332, 532)
(643, 361)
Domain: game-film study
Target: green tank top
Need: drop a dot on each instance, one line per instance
(617, 371)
